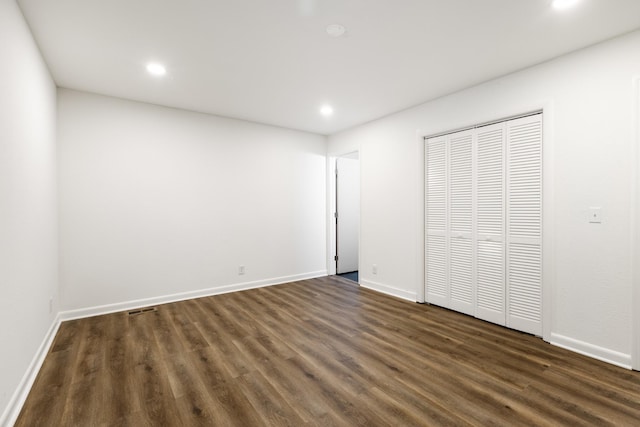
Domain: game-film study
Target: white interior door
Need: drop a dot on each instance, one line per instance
(348, 213)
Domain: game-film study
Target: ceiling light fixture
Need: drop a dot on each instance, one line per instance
(326, 110)
(564, 4)
(336, 30)
(156, 69)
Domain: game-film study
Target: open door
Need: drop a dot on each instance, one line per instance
(347, 213)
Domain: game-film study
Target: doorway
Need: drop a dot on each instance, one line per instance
(347, 215)
(635, 298)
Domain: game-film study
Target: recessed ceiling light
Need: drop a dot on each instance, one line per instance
(336, 30)
(326, 110)
(156, 69)
(564, 4)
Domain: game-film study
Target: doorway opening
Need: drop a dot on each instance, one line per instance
(347, 216)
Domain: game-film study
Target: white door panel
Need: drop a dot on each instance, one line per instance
(348, 208)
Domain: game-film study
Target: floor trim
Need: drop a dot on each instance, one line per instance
(165, 299)
(16, 402)
(389, 290)
(590, 350)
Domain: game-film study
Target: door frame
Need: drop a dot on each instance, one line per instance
(548, 205)
(635, 228)
(331, 209)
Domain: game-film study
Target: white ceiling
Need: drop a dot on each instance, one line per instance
(271, 61)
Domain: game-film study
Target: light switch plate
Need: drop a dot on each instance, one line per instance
(595, 215)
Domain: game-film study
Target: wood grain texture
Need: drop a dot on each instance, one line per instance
(319, 352)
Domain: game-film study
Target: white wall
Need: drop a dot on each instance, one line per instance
(28, 220)
(589, 119)
(157, 202)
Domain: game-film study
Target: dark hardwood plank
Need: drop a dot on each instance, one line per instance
(193, 402)
(67, 335)
(45, 405)
(321, 352)
(273, 409)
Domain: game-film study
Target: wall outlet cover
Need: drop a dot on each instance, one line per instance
(595, 215)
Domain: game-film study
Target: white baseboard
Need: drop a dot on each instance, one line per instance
(16, 402)
(165, 299)
(590, 350)
(394, 292)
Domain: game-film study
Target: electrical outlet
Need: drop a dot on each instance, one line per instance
(595, 215)
(374, 270)
(241, 270)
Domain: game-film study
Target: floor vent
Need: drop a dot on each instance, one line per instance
(142, 310)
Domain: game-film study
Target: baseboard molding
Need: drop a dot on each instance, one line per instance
(590, 350)
(165, 299)
(10, 414)
(389, 290)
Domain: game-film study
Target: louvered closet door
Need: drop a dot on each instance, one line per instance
(436, 206)
(524, 224)
(490, 224)
(461, 259)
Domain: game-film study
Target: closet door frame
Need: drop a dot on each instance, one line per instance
(635, 197)
(548, 242)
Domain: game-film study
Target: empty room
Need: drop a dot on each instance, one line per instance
(319, 212)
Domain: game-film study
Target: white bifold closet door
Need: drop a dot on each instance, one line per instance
(461, 280)
(524, 224)
(436, 221)
(490, 224)
(484, 222)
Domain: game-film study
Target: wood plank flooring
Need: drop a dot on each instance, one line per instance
(319, 352)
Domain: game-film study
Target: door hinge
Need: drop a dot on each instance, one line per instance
(335, 258)
(335, 215)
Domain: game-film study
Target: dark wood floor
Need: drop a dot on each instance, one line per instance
(317, 352)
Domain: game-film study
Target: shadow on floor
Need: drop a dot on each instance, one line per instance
(353, 276)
